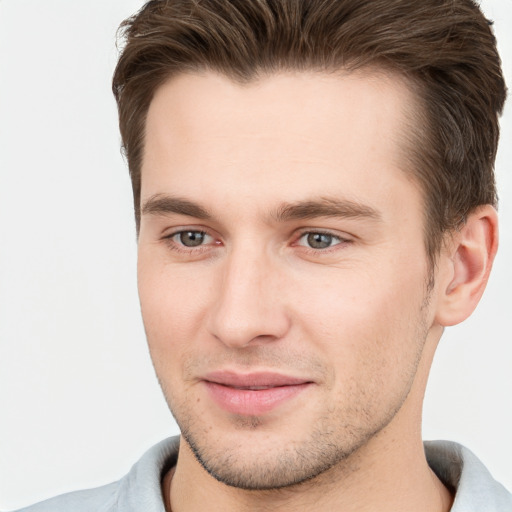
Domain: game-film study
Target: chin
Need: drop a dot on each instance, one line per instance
(253, 458)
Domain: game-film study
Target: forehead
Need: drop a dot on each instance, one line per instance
(199, 103)
(302, 128)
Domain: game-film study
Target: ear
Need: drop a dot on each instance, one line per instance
(465, 264)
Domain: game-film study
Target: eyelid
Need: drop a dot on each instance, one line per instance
(213, 239)
(169, 239)
(176, 233)
(331, 235)
(176, 230)
(343, 239)
(329, 232)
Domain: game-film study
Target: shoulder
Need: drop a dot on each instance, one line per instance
(99, 500)
(139, 490)
(459, 468)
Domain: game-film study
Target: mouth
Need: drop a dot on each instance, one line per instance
(253, 394)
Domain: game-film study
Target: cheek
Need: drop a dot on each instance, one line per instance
(371, 341)
(365, 321)
(172, 304)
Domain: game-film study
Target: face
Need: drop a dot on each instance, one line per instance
(282, 268)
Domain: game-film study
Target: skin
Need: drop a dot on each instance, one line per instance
(356, 319)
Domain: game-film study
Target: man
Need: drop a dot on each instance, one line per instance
(314, 198)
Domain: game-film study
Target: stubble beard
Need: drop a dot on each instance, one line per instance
(276, 469)
(333, 441)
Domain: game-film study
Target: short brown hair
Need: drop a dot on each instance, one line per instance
(444, 48)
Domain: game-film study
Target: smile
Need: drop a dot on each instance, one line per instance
(253, 394)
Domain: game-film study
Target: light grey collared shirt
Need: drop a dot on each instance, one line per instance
(140, 490)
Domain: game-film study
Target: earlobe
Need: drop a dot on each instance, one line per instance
(467, 264)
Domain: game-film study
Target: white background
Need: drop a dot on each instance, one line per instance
(79, 401)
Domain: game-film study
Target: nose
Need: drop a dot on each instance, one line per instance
(249, 308)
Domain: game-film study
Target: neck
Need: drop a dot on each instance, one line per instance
(389, 473)
(399, 479)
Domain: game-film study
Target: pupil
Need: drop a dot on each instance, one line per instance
(319, 240)
(191, 238)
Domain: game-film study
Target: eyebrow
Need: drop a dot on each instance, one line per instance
(160, 204)
(324, 207)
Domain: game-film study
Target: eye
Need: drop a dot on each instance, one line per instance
(191, 238)
(316, 240)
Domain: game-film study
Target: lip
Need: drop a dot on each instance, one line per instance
(253, 394)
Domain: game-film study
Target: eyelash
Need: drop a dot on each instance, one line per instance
(335, 246)
(180, 247)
